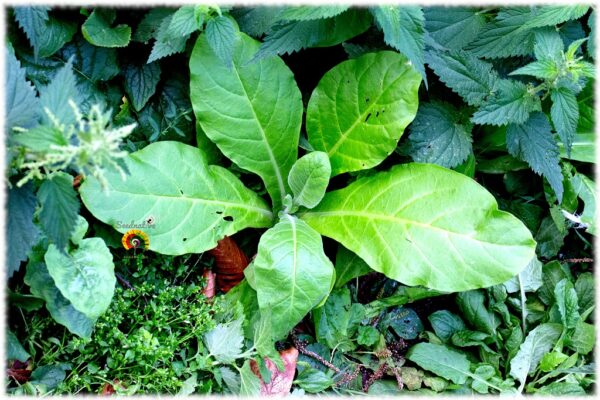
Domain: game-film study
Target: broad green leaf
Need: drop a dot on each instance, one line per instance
(98, 30)
(404, 322)
(360, 109)
(313, 380)
(583, 338)
(21, 233)
(512, 104)
(309, 177)
(60, 208)
(42, 285)
(453, 27)
(440, 360)
(249, 382)
(552, 360)
(437, 135)
(554, 15)
(140, 83)
(97, 63)
(194, 204)
(566, 299)
(548, 46)
(530, 279)
(533, 142)
(544, 69)
(583, 148)
(49, 376)
(565, 114)
(14, 349)
(403, 29)
(445, 324)
(473, 309)
(46, 34)
(291, 273)
(348, 266)
(538, 342)
(209, 150)
(56, 95)
(472, 79)
(257, 21)
(337, 320)
(221, 35)
(85, 277)
(585, 189)
(585, 288)
(367, 335)
(224, 341)
(426, 226)
(561, 388)
(21, 104)
(252, 111)
(305, 13)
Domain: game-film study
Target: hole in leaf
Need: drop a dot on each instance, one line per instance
(219, 212)
(377, 114)
(367, 100)
(368, 116)
(181, 191)
(228, 218)
(184, 239)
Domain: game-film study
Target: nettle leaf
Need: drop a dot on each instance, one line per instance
(21, 104)
(221, 34)
(98, 31)
(565, 115)
(85, 277)
(416, 238)
(168, 41)
(292, 275)
(291, 36)
(56, 95)
(438, 137)
(453, 27)
(360, 108)
(538, 342)
(149, 25)
(183, 23)
(141, 82)
(309, 177)
(566, 299)
(591, 43)
(98, 63)
(512, 104)
(304, 13)
(548, 46)
(533, 142)
(472, 79)
(224, 341)
(40, 138)
(544, 69)
(60, 208)
(257, 21)
(348, 266)
(445, 324)
(42, 285)
(442, 361)
(194, 204)
(403, 29)
(252, 111)
(21, 232)
(46, 34)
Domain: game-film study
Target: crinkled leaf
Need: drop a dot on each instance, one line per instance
(566, 299)
(167, 41)
(472, 79)
(309, 177)
(512, 104)
(348, 266)
(140, 83)
(367, 335)
(46, 34)
(403, 29)
(437, 136)
(453, 27)
(221, 34)
(21, 232)
(60, 208)
(194, 204)
(98, 63)
(544, 69)
(548, 46)
(445, 324)
(473, 309)
(416, 240)
(360, 109)
(292, 275)
(224, 342)
(252, 111)
(538, 342)
(98, 30)
(56, 95)
(530, 279)
(533, 142)
(21, 104)
(14, 349)
(565, 115)
(440, 360)
(85, 277)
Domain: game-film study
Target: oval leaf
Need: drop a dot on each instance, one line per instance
(309, 177)
(251, 110)
(193, 204)
(86, 277)
(98, 31)
(360, 108)
(291, 273)
(425, 225)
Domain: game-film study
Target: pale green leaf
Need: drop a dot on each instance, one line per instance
(530, 279)
(40, 138)
(440, 360)
(224, 341)
(20, 101)
(46, 34)
(437, 135)
(360, 109)
(561, 388)
(552, 360)
(566, 299)
(188, 386)
(309, 177)
(85, 277)
(291, 273)
(249, 383)
(472, 79)
(304, 13)
(194, 204)
(252, 111)
(81, 228)
(14, 349)
(231, 379)
(426, 226)
(544, 69)
(21, 233)
(583, 338)
(60, 208)
(453, 27)
(98, 31)
(445, 324)
(403, 29)
(512, 104)
(140, 83)
(221, 35)
(565, 115)
(537, 343)
(533, 142)
(348, 266)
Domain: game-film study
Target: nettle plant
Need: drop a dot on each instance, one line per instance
(419, 224)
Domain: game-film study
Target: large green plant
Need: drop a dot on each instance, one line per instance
(417, 223)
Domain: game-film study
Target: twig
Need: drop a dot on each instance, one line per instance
(123, 281)
(578, 260)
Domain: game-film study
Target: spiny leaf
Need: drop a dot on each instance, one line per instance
(60, 208)
(512, 104)
(55, 96)
(21, 233)
(565, 115)
(140, 83)
(151, 22)
(221, 34)
(230, 262)
(21, 104)
(453, 27)
(224, 341)
(46, 34)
